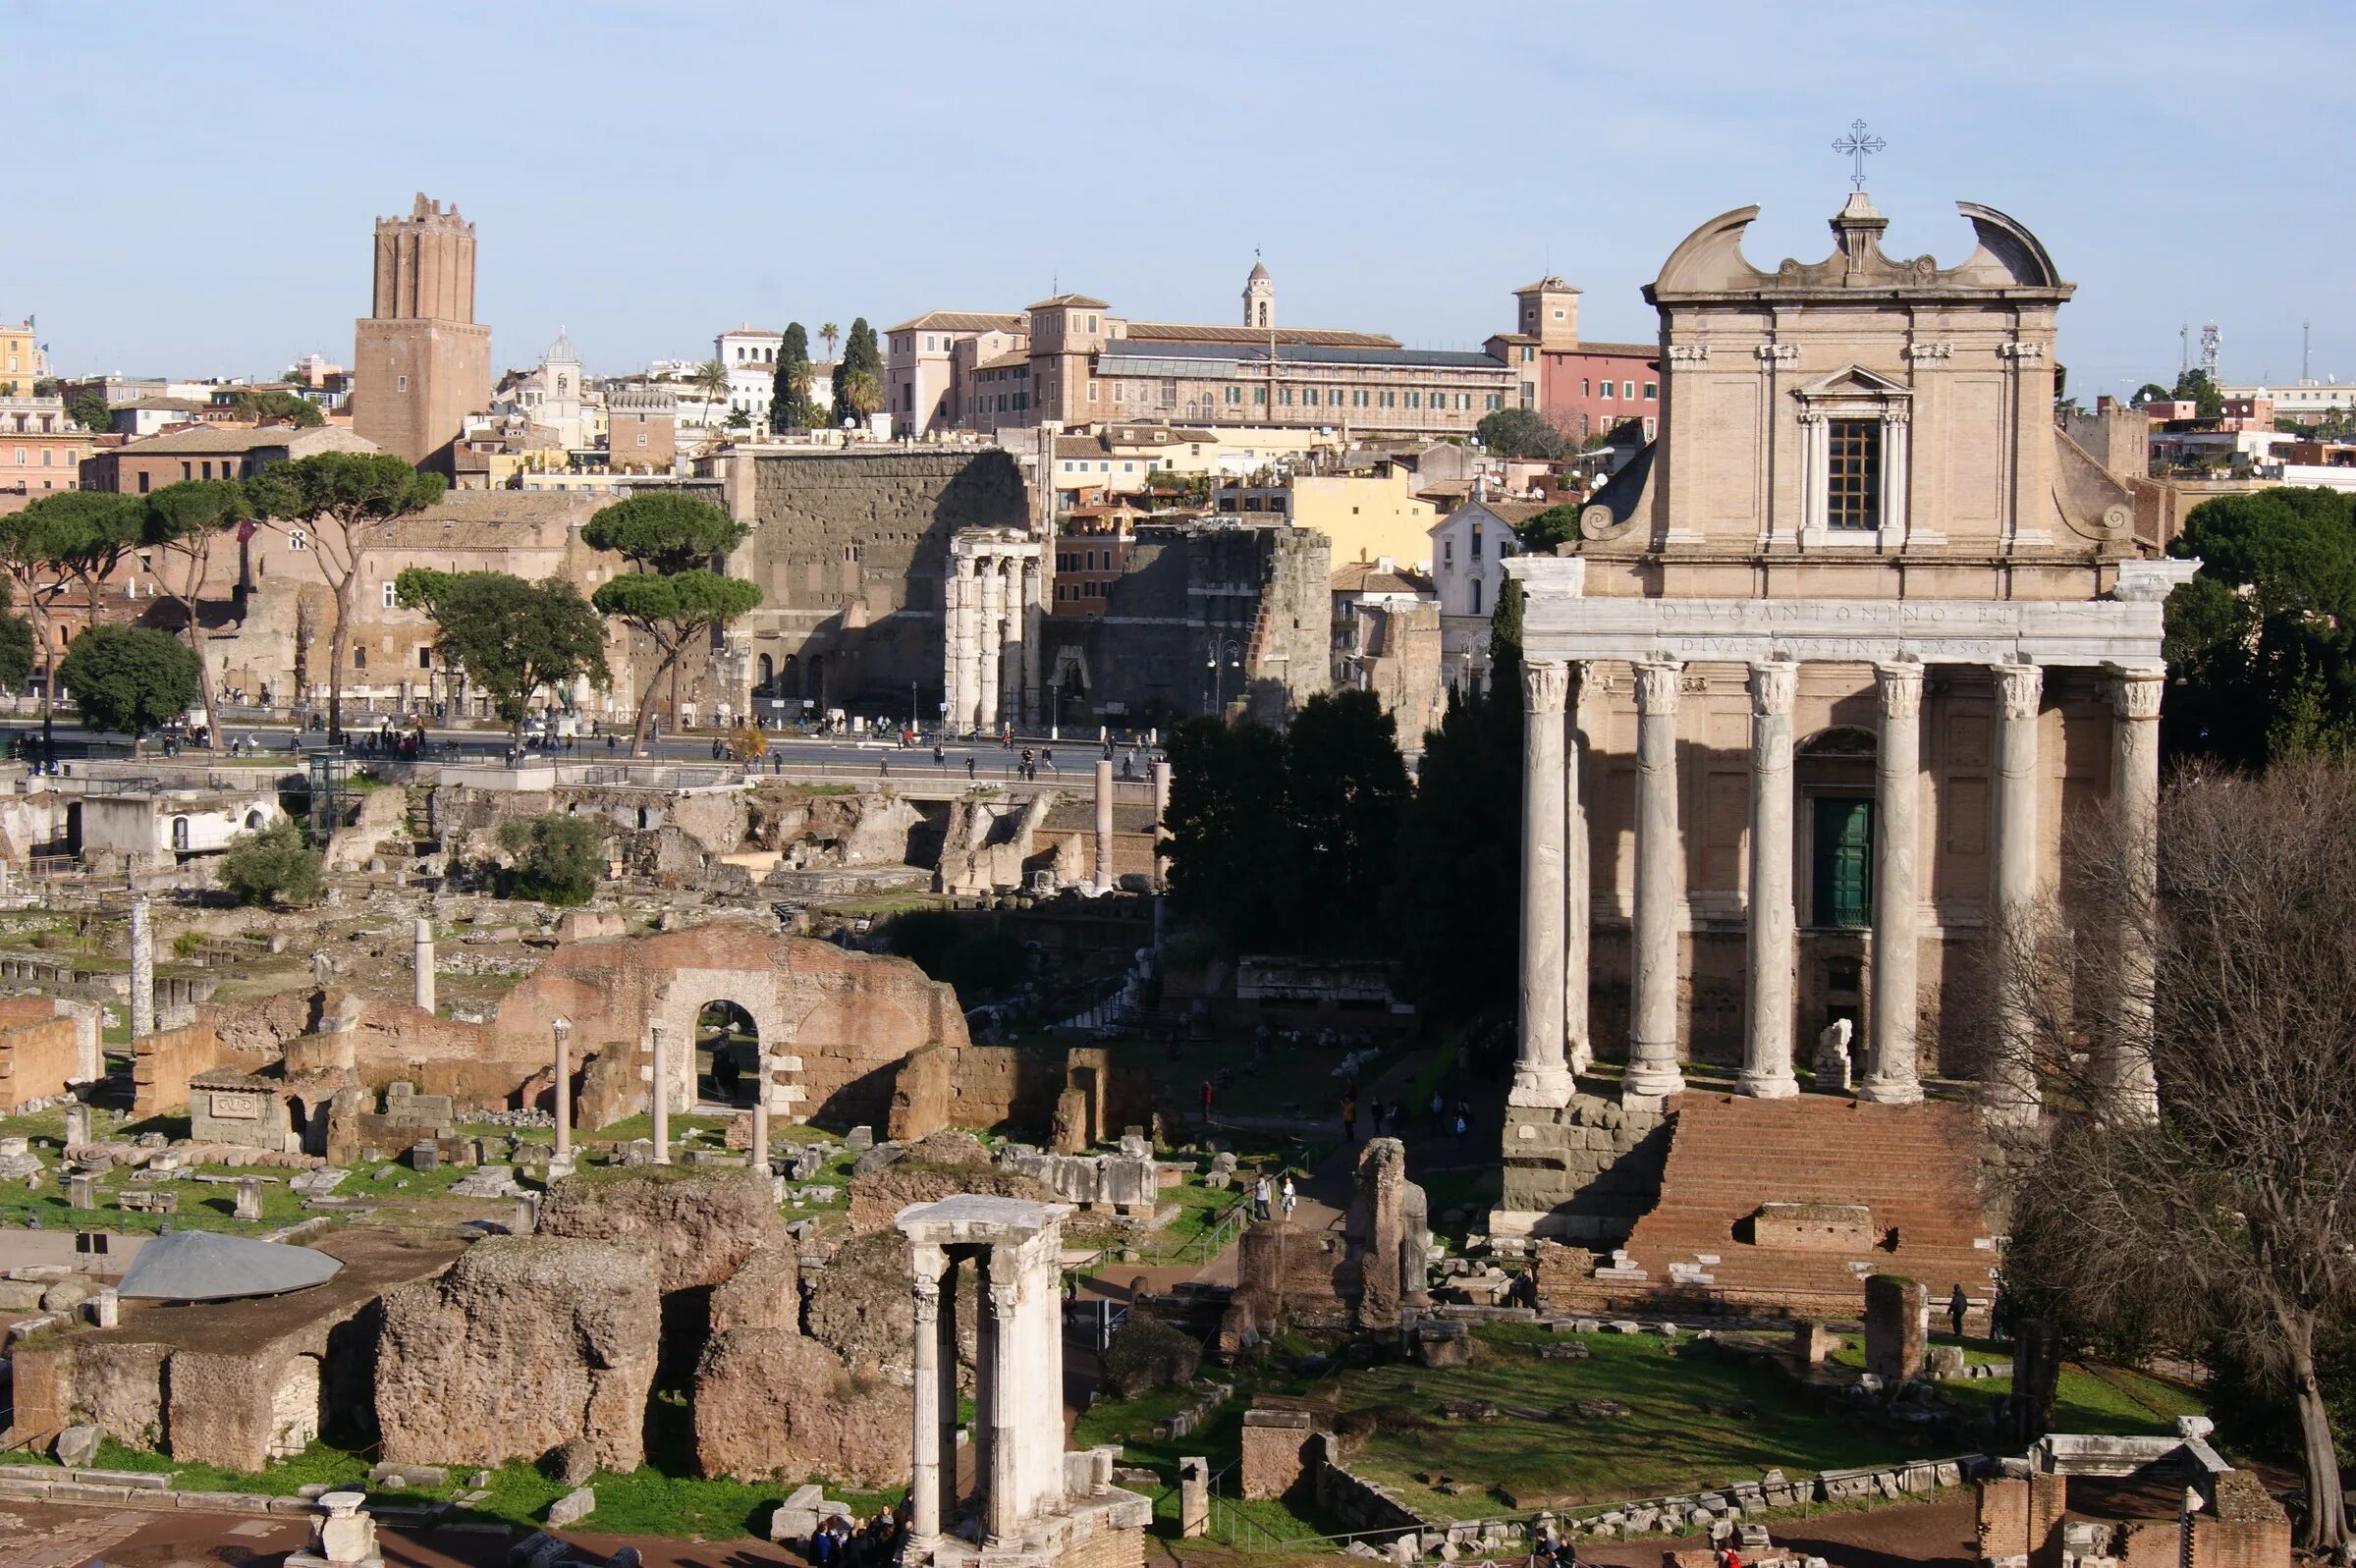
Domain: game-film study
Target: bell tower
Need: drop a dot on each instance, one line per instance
(1259, 297)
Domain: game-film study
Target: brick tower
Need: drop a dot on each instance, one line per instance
(420, 362)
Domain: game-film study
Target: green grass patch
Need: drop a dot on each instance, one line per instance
(1695, 1419)
(2098, 1401)
(644, 1501)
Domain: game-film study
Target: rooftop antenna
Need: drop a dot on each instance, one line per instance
(2183, 348)
(2212, 340)
(2306, 336)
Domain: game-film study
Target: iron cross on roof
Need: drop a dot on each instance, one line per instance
(1857, 146)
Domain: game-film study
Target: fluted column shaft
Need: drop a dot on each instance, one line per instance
(993, 640)
(2013, 1082)
(1767, 1044)
(1540, 1076)
(1652, 1040)
(1103, 882)
(2135, 791)
(659, 1099)
(1579, 893)
(924, 1477)
(563, 1030)
(1893, 1078)
(1034, 622)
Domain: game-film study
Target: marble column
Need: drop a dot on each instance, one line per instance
(562, 1028)
(964, 697)
(1653, 1072)
(1034, 626)
(1002, 1511)
(1161, 777)
(1894, 1077)
(2135, 801)
(1104, 825)
(142, 968)
(990, 652)
(1579, 893)
(659, 1097)
(421, 964)
(760, 1113)
(947, 1416)
(1541, 1074)
(924, 1477)
(1767, 1044)
(2012, 1095)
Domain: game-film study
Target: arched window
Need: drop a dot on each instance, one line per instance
(1476, 596)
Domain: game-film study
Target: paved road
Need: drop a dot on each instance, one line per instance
(1074, 756)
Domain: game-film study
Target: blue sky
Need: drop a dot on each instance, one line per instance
(202, 178)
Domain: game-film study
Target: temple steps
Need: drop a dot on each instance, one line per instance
(1914, 1168)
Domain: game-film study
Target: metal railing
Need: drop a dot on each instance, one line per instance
(1199, 1247)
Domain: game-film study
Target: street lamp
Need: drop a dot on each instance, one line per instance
(1233, 651)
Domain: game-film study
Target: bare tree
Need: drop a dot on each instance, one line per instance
(2225, 1225)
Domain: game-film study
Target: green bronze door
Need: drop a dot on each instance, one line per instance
(1844, 863)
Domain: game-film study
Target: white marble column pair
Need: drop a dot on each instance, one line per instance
(1554, 1045)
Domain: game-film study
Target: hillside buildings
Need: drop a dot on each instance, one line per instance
(1582, 389)
(1071, 359)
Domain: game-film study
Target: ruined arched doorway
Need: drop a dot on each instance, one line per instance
(728, 1054)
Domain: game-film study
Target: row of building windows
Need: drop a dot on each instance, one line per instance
(1065, 592)
(50, 457)
(1082, 561)
(1627, 390)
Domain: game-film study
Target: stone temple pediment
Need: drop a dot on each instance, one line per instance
(1854, 381)
(2007, 259)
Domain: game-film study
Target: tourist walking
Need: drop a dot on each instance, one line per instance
(1439, 1113)
(1288, 1197)
(1259, 1196)
(1349, 1115)
(1206, 1100)
(969, 767)
(1958, 1305)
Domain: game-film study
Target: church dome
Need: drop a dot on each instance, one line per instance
(1259, 272)
(561, 351)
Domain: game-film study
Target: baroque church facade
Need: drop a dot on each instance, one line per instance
(1815, 694)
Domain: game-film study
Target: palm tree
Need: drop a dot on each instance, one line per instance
(830, 332)
(862, 393)
(711, 379)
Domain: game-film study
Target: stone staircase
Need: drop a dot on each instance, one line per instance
(1788, 1205)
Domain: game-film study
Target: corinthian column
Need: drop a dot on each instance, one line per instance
(964, 662)
(1767, 1047)
(2012, 1090)
(1034, 624)
(2135, 797)
(1893, 1078)
(1652, 1039)
(1577, 887)
(992, 651)
(1540, 1075)
(924, 1469)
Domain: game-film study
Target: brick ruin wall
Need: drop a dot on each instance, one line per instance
(1014, 1089)
(37, 1054)
(162, 1063)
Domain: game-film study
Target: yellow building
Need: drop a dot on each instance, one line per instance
(21, 363)
(1368, 516)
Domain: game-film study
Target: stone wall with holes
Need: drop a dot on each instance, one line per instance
(849, 550)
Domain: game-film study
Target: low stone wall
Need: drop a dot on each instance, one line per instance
(162, 1063)
(877, 1197)
(37, 1056)
(1587, 1171)
(1129, 1183)
(1357, 1502)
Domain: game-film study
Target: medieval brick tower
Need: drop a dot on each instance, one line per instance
(420, 362)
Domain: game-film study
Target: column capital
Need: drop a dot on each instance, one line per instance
(1545, 685)
(2135, 691)
(1775, 683)
(1899, 685)
(1658, 683)
(2020, 687)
